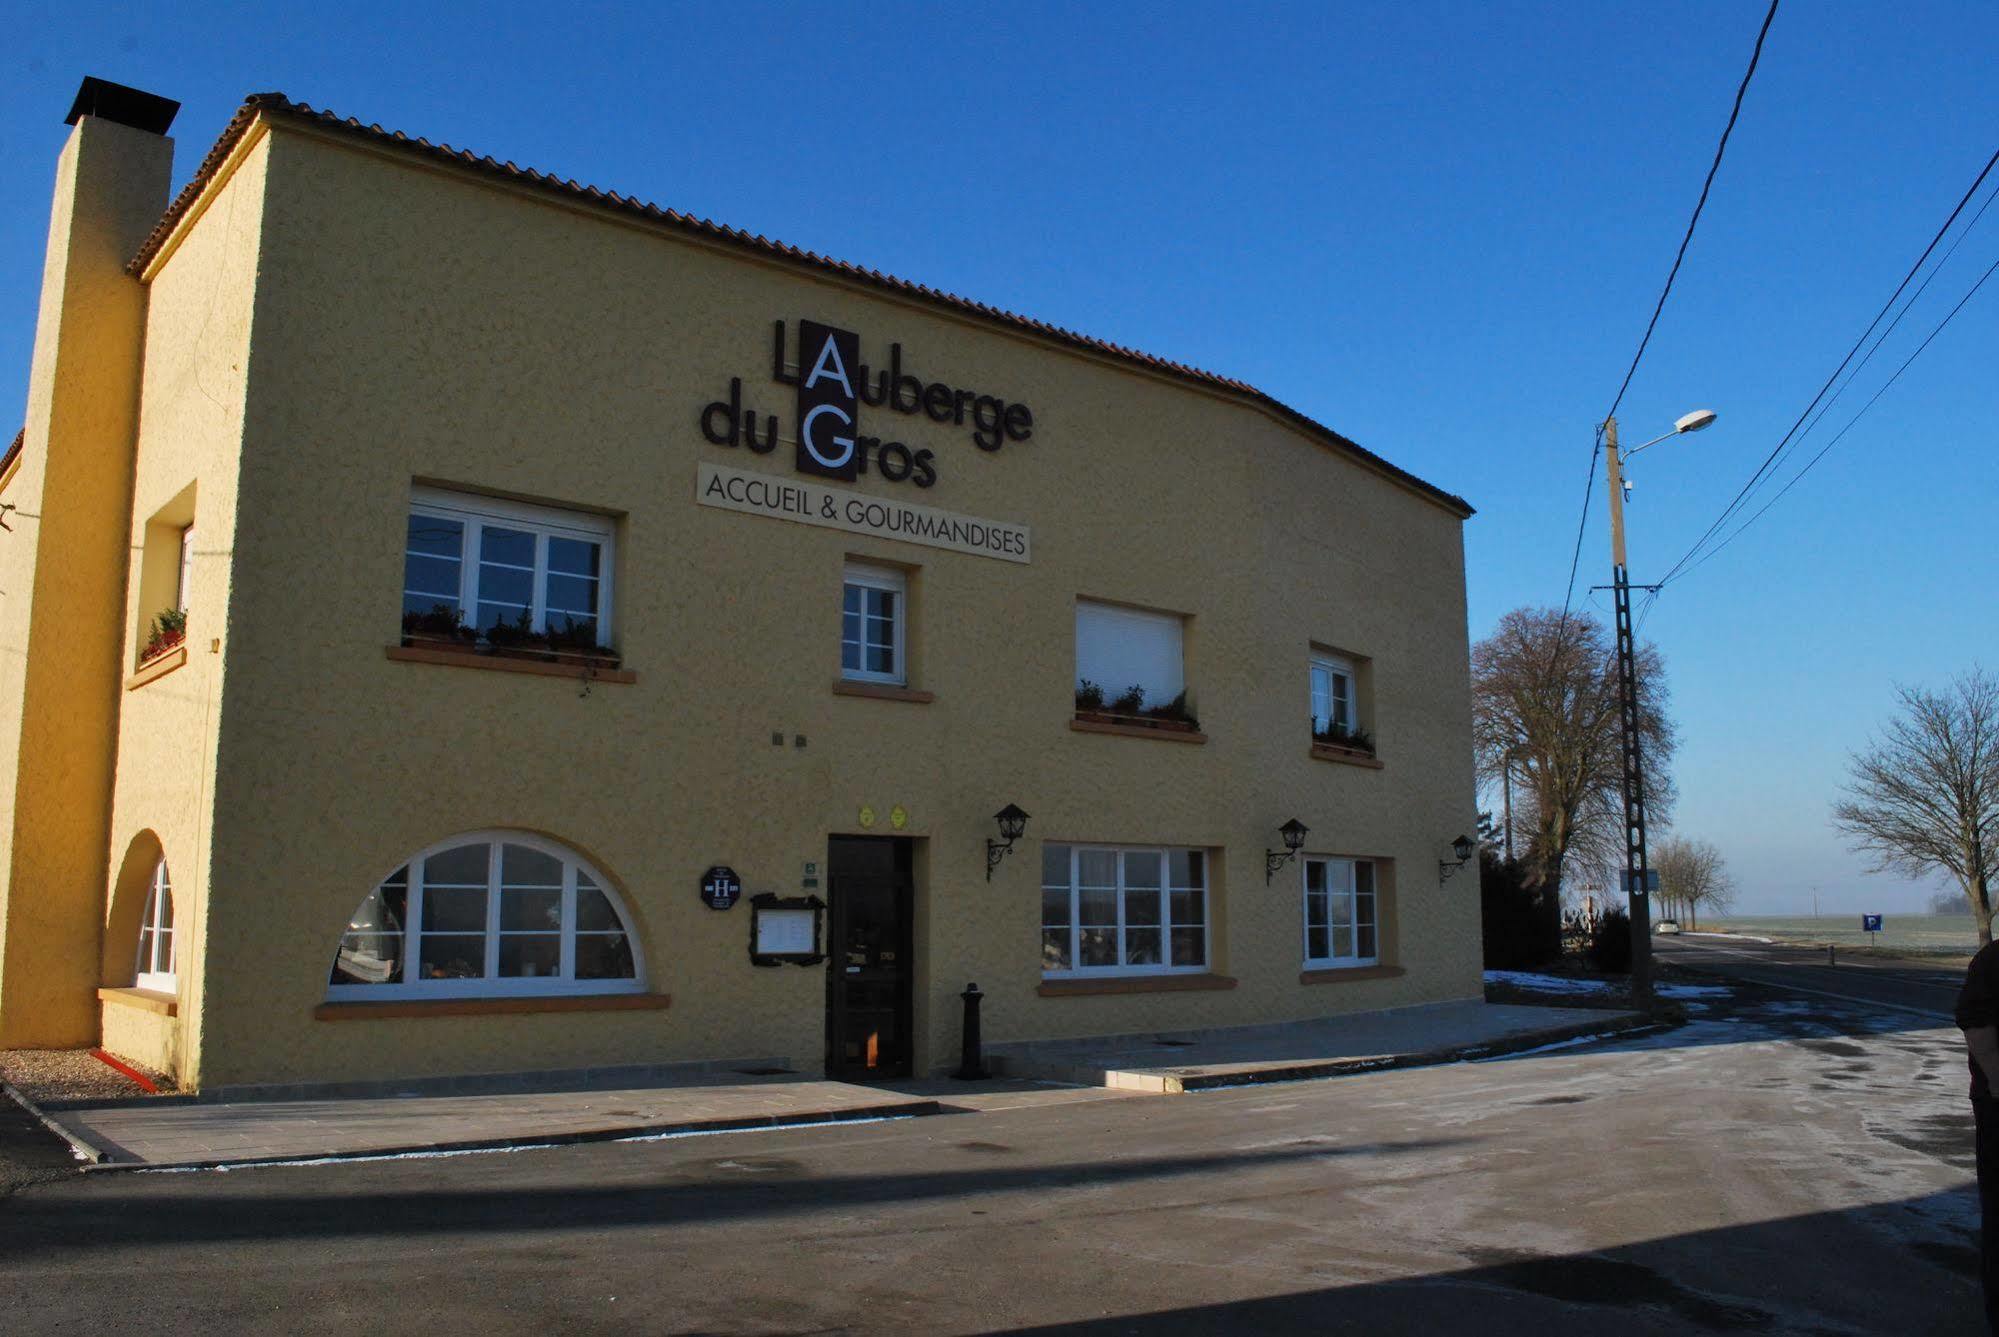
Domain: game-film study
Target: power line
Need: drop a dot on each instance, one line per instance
(1826, 409)
(1575, 560)
(1769, 461)
(1700, 204)
(1799, 476)
(1707, 185)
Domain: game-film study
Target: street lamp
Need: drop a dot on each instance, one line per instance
(1637, 884)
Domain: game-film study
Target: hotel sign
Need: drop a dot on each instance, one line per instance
(832, 387)
(811, 503)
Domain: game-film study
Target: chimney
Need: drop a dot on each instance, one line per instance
(63, 567)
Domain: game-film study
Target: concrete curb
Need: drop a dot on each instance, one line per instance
(892, 1110)
(91, 1155)
(1172, 1084)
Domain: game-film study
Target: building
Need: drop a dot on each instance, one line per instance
(459, 621)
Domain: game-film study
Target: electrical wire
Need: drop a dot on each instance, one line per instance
(1576, 559)
(1770, 461)
(1700, 204)
(1799, 476)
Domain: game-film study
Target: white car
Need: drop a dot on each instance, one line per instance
(1666, 926)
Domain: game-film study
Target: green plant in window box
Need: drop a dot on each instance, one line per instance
(169, 629)
(1129, 708)
(517, 638)
(574, 641)
(442, 625)
(1345, 739)
(1175, 712)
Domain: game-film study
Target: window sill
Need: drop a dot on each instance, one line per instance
(881, 691)
(1164, 735)
(1348, 756)
(423, 654)
(491, 1007)
(1349, 974)
(1119, 984)
(146, 1000)
(157, 667)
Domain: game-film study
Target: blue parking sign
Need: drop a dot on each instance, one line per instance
(1870, 923)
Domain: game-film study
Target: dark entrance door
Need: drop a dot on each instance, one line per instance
(870, 888)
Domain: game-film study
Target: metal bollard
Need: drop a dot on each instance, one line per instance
(1830, 959)
(973, 1066)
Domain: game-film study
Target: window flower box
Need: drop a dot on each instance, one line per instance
(1130, 711)
(1138, 721)
(169, 630)
(1343, 741)
(443, 628)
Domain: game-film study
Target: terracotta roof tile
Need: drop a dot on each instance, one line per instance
(277, 106)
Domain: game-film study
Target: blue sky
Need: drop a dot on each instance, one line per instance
(1437, 227)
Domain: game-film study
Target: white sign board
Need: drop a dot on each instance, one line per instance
(786, 932)
(811, 503)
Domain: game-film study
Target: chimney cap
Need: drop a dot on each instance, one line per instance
(127, 106)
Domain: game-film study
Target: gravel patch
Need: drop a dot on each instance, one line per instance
(72, 1074)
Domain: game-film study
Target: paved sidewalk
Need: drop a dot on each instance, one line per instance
(1172, 1062)
(188, 1133)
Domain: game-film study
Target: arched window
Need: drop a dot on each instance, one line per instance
(493, 914)
(156, 936)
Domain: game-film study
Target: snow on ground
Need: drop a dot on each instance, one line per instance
(1527, 979)
(1739, 937)
(1538, 983)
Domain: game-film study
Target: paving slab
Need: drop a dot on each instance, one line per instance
(1173, 1062)
(164, 1134)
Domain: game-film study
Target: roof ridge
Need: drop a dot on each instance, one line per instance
(278, 104)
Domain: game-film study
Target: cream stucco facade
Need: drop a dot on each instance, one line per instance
(332, 320)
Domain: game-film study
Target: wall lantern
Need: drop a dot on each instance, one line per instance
(1463, 848)
(1012, 822)
(1293, 832)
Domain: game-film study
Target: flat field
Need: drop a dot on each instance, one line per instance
(1942, 934)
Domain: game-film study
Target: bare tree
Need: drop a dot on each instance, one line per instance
(1545, 703)
(1924, 797)
(1693, 878)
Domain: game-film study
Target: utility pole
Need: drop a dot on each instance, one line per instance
(1506, 770)
(1634, 776)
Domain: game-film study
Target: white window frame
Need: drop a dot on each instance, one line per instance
(1077, 970)
(1347, 886)
(150, 971)
(491, 984)
(544, 522)
(891, 581)
(1330, 665)
(186, 578)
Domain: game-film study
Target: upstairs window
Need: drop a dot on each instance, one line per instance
(873, 624)
(507, 572)
(1341, 922)
(1334, 709)
(156, 936)
(1129, 660)
(491, 915)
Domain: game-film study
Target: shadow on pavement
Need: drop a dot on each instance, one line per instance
(1821, 1273)
(768, 1186)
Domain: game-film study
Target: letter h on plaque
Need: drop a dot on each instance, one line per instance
(827, 403)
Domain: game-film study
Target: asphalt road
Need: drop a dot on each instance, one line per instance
(1786, 1164)
(1926, 987)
